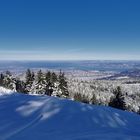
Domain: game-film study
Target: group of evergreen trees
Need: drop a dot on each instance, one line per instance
(85, 99)
(40, 83)
(53, 84)
(118, 100)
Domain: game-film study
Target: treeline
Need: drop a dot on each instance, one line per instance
(52, 84)
(116, 94)
(116, 101)
(48, 83)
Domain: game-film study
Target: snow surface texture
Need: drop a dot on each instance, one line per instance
(27, 117)
(4, 91)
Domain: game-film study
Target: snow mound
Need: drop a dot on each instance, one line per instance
(26, 117)
(4, 91)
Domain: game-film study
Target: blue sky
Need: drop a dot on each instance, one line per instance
(69, 29)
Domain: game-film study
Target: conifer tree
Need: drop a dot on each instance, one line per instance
(63, 85)
(40, 76)
(118, 101)
(48, 82)
(40, 83)
(48, 77)
(1, 79)
(30, 77)
(20, 86)
(53, 77)
(94, 100)
(9, 81)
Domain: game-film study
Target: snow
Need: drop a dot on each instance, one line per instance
(48, 118)
(122, 77)
(4, 91)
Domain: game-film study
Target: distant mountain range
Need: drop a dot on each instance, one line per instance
(116, 66)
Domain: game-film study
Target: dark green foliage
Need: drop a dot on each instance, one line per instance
(94, 100)
(48, 90)
(40, 85)
(78, 97)
(20, 86)
(63, 84)
(1, 79)
(9, 81)
(117, 91)
(54, 77)
(30, 77)
(40, 77)
(81, 98)
(118, 100)
(49, 84)
(48, 77)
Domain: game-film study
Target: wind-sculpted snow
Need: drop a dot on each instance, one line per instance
(26, 117)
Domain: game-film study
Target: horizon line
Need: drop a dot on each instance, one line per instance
(72, 60)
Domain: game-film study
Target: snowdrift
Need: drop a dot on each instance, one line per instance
(4, 91)
(26, 117)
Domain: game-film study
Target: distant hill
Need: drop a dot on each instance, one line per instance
(135, 73)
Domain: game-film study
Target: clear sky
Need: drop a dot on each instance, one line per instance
(69, 29)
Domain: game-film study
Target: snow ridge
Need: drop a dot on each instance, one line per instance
(44, 117)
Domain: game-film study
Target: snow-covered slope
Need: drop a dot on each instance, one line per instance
(4, 91)
(26, 117)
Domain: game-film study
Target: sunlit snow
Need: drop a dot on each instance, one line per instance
(27, 117)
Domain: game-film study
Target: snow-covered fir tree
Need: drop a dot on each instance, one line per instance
(49, 84)
(54, 78)
(39, 84)
(20, 86)
(81, 98)
(118, 100)
(63, 86)
(9, 81)
(1, 79)
(29, 79)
